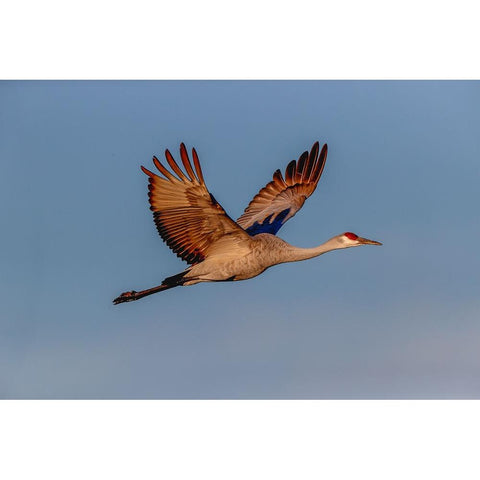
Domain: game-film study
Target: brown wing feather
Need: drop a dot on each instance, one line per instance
(301, 179)
(187, 216)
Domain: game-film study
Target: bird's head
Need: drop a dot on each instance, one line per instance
(349, 239)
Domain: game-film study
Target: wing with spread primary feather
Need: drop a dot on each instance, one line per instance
(186, 214)
(282, 198)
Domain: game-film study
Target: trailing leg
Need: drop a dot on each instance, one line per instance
(169, 282)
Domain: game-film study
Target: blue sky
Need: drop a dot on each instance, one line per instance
(399, 321)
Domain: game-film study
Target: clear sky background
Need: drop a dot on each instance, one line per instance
(398, 321)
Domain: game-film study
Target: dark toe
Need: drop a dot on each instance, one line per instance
(125, 297)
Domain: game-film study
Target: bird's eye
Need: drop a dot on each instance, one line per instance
(351, 235)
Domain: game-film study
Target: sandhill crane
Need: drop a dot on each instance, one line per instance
(195, 226)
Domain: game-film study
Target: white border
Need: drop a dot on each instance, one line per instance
(187, 39)
(239, 439)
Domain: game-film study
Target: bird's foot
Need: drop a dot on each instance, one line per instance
(126, 297)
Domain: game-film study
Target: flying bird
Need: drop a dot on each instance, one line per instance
(218, 249)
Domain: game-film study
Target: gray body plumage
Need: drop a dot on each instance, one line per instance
(245, 261)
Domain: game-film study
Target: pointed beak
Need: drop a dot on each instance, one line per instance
(366, 241)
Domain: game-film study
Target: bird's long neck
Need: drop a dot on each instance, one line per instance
(296, 254)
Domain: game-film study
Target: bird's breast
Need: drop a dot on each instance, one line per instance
(265, 251)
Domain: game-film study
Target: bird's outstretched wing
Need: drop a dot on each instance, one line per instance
(282, 198)
(186, 214)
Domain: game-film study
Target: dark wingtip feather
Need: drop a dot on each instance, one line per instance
(278, 177)
(186, 162)
(174, 165)
(157, 163)
(146, 171)
(312, 159)
(290, 171)
(320, 164)
(162, 169)
(197, 165)
(314, 151)
(183, 151)
(301, 166)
